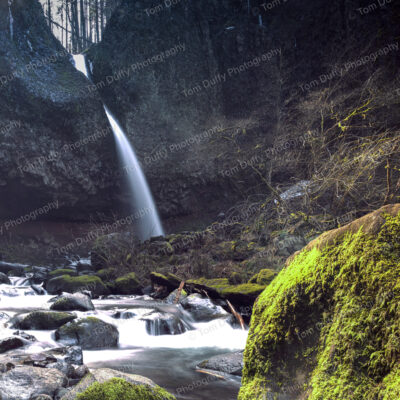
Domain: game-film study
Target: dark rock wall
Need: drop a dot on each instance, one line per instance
(166, 104)
(55, 143)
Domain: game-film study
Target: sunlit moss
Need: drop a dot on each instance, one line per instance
(328, 324)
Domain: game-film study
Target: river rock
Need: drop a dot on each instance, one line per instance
(4, 279)
(170, 299)
(39, 275)
(38, 290)
(27, 382)
(89, 333)
(102, 375)
(230, 363)
(10, 343)
(164, 324)
(203, 309)
(73, 284)
(16, 269)
(72, 302)
(41, 320)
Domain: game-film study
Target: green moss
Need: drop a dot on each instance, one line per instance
(107, 274)
(127, 284)
(117, 389)
(332, 316)
(60, 272)
(264, 277)
(74, 284)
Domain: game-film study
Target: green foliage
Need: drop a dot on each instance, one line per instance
(118, 389)
(60, 272)
(335, 313)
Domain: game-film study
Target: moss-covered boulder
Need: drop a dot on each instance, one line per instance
(72, 302)
(107, 274)
(240, 295)
(60, 272)
(170, 281)
(327, 327)
(89, 333)
(72, 284)
(264, 277)
(102, 376)
(41, 320)
(117, 388)
(127, 284)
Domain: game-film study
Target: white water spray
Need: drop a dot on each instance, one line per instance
(11, 19)
(149, 221)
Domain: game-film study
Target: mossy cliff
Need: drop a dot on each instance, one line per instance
(327, 327)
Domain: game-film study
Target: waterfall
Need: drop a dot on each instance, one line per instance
(149, 222)
(11, 19)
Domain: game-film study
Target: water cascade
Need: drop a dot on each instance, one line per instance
(146, 211)
(11, 19)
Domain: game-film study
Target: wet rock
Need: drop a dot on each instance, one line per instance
(72, 302)
(39, 275)
(170, 281)
(164, 324)
(230, 363)
(89, 333)
(80, 267)
(41, 320)
(123, 314)
(17, 269)
(73, 284)
(102, 375)
(4, 279)
(38, 290)
(10, 343)
(42, 397)
(25, 336)
(171, 298)
(27, 382)
(203, 309)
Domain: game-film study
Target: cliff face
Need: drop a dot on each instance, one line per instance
(199, 86)
(55, 141)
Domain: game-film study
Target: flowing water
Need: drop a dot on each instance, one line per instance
(169, 360)
(11, 19)
(149, 221)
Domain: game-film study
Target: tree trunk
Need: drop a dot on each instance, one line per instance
(49, 13)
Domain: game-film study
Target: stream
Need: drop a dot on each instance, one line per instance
(169, 360)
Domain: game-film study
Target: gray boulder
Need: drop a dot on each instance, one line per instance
(230, 363)
(89, 333)
(203, 309)
(4, 279)
(41, 320)
(27, 382)
(72, 302)
(10, 343)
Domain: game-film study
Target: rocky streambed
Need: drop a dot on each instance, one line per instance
(54, 347)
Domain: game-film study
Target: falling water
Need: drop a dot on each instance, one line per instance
(11, 19)
(149, 222)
